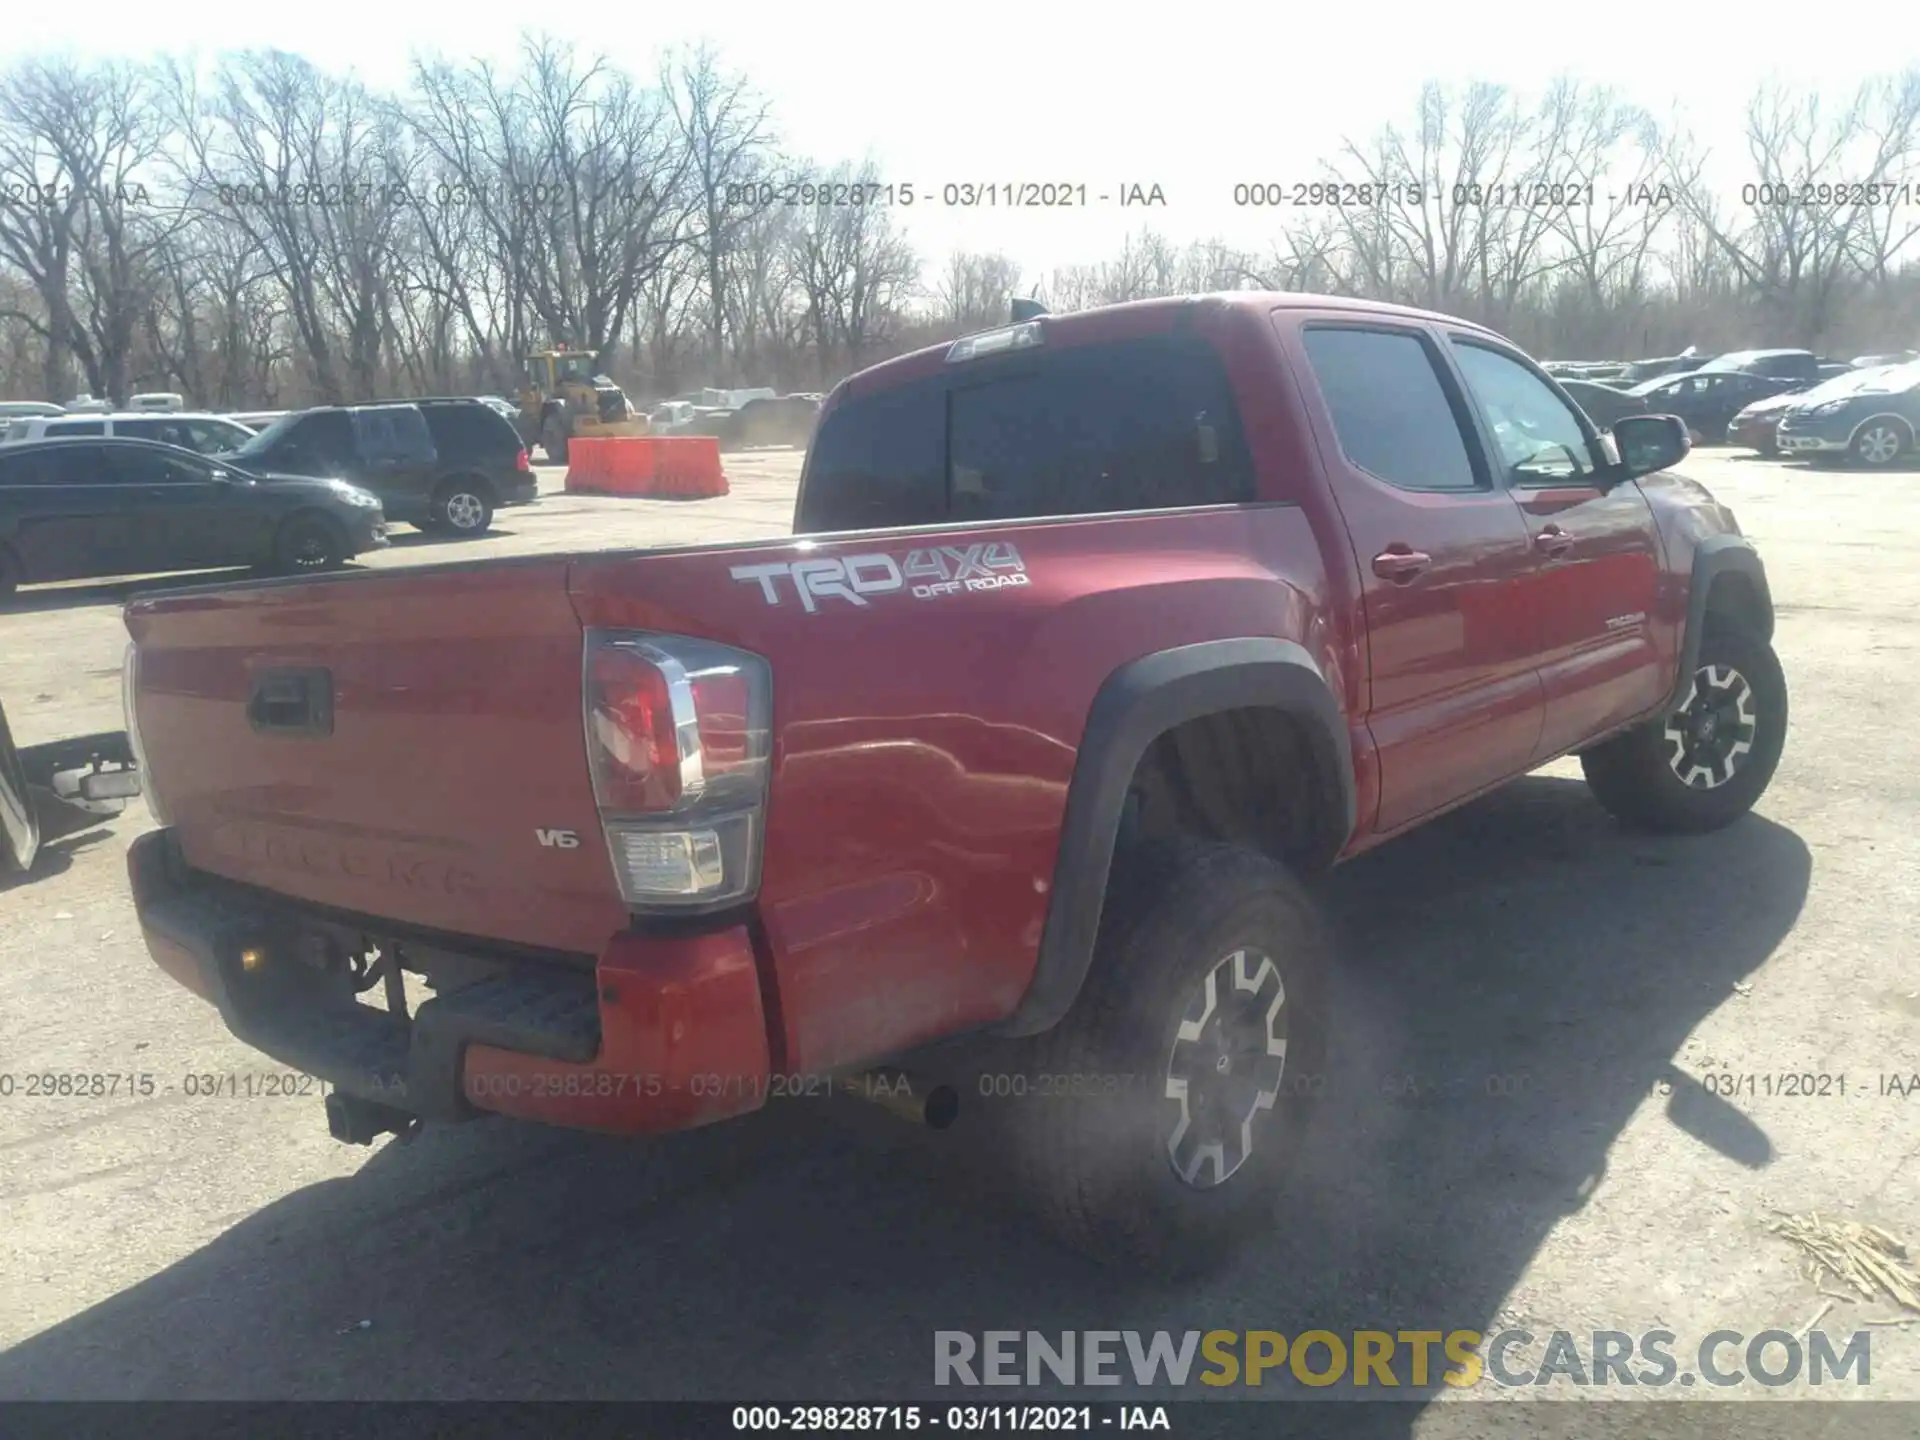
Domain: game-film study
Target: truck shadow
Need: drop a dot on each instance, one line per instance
(1521, 975)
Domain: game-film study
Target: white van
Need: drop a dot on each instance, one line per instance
(208, 434)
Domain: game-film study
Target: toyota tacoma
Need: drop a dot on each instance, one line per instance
(1098, 637)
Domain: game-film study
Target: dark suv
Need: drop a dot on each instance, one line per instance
(442, 465)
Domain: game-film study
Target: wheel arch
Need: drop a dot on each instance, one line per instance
(1893, 415)
(1729, 584)
(1139, 704)
(473, 479)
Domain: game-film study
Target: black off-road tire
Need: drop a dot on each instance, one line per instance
(553, 440)
(309, 544)
(1639, 776)
(461, 507)
(1093, 1153)
(9, 577)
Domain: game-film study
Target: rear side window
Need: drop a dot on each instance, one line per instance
(54, 465)
(1389, 409)
(393, 431)
(878, 461)
(1135, 425)
(35, 467)
(63, 428)
(471, 430)
(144, 430)
(1142, 425)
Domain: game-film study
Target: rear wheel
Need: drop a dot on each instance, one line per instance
(1709, 762)
(309, 544)
(9, 577)
(553, 440)
(1193, 1053)
(1879, 443)
(462, 507)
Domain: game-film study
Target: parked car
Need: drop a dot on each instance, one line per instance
(1801, 365)
(1004, 760)
(206, 434)
(1708, 399)
(1641, 371)
(1603, 403)
(85, 509)
(1873, 425)
(443, 465)
(1758, 424)
(23, 409)
(1880, 362)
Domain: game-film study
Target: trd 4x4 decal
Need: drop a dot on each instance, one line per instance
(926, 574)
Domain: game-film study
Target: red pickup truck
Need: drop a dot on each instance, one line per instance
(1099, 635)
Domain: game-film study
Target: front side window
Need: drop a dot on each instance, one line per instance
(1539, 436)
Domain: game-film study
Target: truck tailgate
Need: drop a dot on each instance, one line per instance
(404, 746)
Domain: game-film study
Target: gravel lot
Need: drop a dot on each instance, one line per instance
(175, 1246)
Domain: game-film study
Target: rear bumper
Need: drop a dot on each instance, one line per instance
(665, 1034)
(524, 489)
(1757, 432)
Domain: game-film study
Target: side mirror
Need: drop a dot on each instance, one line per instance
(1647, 443)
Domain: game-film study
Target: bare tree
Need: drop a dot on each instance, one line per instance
(727, 138)
(855, 269)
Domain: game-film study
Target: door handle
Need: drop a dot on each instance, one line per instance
(1400, 566)
(1554, 541)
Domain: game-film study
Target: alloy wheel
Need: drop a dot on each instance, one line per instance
(1225, 1066)
(465, 510)
(1713, 732)
(1878, 444)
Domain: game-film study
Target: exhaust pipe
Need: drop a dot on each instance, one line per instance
(912, 1098)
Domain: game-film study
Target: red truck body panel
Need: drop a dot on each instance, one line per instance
(923, 745)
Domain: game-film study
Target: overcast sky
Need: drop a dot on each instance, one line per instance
(1193, 97)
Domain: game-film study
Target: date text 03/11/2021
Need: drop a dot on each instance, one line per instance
(1061, 1419)
(958, 194)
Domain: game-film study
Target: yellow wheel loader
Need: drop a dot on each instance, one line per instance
(563, 397)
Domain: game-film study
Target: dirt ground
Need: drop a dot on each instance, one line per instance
(1521, 1127)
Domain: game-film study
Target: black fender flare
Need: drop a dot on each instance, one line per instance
(1138, 703)
(1715, 556)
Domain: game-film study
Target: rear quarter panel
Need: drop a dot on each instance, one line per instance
(923, 746)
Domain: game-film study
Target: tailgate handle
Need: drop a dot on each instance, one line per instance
(291, 701)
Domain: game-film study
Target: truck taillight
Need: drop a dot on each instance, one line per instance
(130, 706)
(521, 462)
(679, 738)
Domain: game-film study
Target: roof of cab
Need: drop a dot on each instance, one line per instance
(1145, 317)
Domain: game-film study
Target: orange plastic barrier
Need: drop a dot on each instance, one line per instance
(684, 467)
